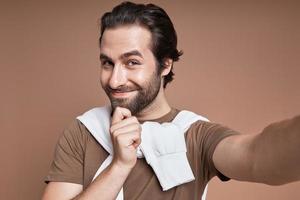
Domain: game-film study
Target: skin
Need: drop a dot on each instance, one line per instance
(133, 71)
(121, 71)
(253, 157)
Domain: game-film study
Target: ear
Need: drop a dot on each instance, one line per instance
(168, 62)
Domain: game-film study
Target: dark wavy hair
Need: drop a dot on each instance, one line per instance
(157, 21)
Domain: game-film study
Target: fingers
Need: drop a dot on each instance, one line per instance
(129, 139)
(120, 114)
(126, 136)
(130, 133)
(126, 129)
(126, 122)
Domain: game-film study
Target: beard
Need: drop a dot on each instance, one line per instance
(146, 94)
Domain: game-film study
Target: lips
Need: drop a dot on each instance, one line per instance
(119, 94)
(122, 91)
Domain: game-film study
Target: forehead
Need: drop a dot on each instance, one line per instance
(116, 41)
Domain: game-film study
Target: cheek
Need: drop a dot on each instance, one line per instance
(144, 74)
(139, 77)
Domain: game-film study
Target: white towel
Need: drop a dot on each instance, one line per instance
(163, 145)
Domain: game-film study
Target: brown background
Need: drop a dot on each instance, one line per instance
(240, 68)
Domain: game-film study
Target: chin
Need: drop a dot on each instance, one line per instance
(120, 102)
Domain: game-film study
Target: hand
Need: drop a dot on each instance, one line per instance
(126, 137)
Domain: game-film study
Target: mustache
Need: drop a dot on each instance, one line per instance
(122, 89)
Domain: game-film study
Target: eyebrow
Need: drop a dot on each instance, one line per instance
(123, 56)
(131, 53)
(104, 57)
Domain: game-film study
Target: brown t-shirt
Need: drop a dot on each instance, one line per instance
(78, 156)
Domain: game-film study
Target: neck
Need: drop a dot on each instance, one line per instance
(158, 108)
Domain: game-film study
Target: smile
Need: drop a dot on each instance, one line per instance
(122, 94)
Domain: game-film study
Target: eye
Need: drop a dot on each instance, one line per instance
(107, 64)
(132, 62)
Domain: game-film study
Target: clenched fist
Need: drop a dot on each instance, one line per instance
(125, 133)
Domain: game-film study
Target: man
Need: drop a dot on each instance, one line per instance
(138, 46)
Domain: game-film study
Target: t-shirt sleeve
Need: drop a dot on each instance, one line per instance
(67, 164)
(208, 135)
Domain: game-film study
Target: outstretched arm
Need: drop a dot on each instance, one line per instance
(271, 157)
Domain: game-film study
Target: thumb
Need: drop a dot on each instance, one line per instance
(120, 114)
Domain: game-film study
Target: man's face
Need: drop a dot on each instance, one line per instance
(129, 75)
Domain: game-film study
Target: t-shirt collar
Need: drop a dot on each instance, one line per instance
(165, 118)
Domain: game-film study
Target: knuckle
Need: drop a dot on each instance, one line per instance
(134, 118)
(127, 110)
(115, 133)
(118, 109)
(130, 119)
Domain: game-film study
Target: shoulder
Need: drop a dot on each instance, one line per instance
(205, 130)
(75, 134)
(205, 135)
(77, 129)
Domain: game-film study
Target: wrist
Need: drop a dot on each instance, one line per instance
(121, 169)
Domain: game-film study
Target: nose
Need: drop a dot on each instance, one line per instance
(118, 77)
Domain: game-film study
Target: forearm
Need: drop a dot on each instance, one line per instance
(107, 185)
(276, 153)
